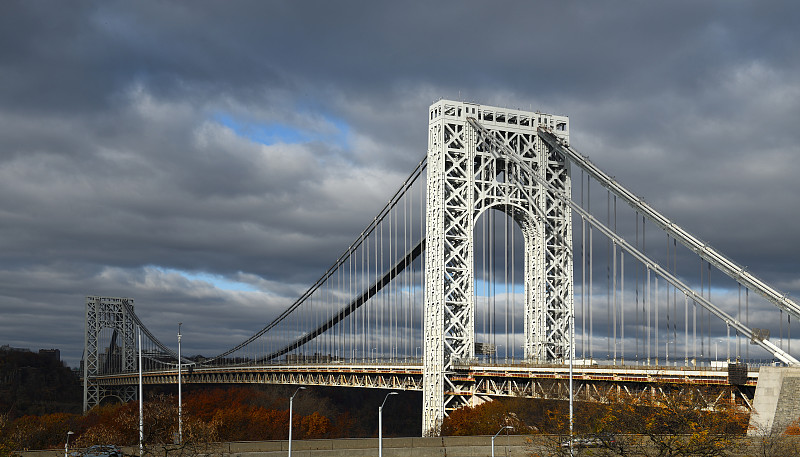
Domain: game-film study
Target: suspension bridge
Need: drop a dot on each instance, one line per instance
(505, 264)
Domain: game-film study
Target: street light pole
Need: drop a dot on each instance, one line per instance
(571, 380)
(141, 398)
(180, 398)
(498, 432)
(66, 445)
(380, 424)
(291, 399)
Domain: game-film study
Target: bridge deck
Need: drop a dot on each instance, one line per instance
(477, 383)
(353, 374)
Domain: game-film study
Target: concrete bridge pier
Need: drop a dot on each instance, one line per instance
(777, 400)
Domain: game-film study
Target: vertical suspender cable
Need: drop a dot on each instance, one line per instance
(505, 268)
(591, 268)
(728, 343)
(608, 278)
(739, 316)
(382, 328)
(356, 285)
(583, 277)
(694, 330)
(484, 306)
(490, 279)
(422, 227)
(648, 300)
(675, 299)
(615, 302)
(686, 329)
(666, 355)
(622, 303)
(702, 292)
(708, 312)
(615, 282)
(393, 287)
(513, 290)
(505, 264)
(583, 288)
(655, 307)
(646, 291)
(376, 331)
(361, 284)
(637, 293)
(396, 282)
(405, 287)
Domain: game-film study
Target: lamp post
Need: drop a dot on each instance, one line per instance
(716, 354)
(380, 424)
(66, 445)
(141, 397)
(571, 378)
(498, 432)
(290, 417)
(666, 351)
(180, 402)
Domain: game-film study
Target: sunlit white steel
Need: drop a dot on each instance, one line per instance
(464, 180)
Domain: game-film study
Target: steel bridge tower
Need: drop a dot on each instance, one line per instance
(116, 315)
(466, 178)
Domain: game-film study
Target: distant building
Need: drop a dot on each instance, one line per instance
(52, 353)
(8, 348)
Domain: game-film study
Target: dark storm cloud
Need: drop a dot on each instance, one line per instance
(118, 168)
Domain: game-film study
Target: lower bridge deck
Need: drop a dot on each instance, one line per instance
(600, 383)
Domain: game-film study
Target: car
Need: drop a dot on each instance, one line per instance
(100, 450)
(590, 441)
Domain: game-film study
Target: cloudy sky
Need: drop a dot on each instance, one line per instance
(211, 159)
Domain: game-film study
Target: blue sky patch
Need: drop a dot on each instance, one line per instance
(483, 288)
(218, 281)
(275, 133)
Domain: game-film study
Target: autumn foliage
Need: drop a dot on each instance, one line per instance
(676, 425)
(232, 414)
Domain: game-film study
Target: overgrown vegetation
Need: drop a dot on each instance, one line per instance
(678, 426)
(251, 413)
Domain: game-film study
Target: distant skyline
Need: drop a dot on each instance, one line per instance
(212, 159)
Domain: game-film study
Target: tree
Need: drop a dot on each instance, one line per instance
(41, 432)
(315, 426)
(483, 419)
(7, 447)
(772, 443)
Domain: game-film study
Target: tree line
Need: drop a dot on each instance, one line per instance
(679, 425)
(243, 413)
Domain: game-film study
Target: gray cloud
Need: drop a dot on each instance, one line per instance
(116, 168)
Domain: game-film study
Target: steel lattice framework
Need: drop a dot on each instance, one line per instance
(466, 177)
(115, 314)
